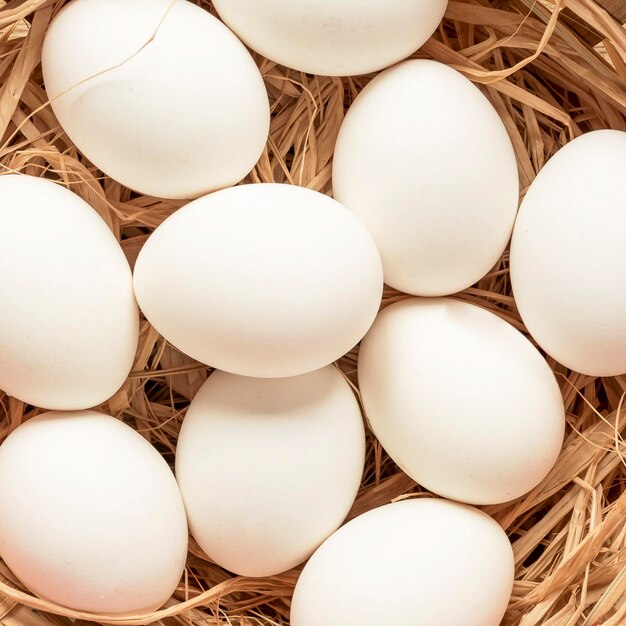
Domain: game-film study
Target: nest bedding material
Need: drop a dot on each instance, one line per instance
(550, 81)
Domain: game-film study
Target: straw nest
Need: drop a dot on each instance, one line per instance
(538, 65)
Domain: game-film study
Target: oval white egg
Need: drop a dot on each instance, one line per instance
(91, 516)
(159, 94)
(69, 322)
(424, 160)
(568, 255)
(333, 38)
(261, 280)
(268, 468)
(422, 562)
(460, 400)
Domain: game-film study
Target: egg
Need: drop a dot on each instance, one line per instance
(262, 280)
(90, 514)
(159, 94)
(268, 468)
(425, 161)
(568, 258)
(460, 400)
(422, 562)
(333, 38)
(69, 321)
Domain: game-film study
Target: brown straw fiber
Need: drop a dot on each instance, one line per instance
(549, 84)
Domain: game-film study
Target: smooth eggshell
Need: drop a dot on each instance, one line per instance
(159, 94)
(268, 468)
(568, 255)
(424, 160)
(460, 400)
(261, 280)
(331, 37)
(90, 514)
(69, 322)
(425, 562)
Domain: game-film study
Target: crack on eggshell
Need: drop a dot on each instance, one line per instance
(121, 63)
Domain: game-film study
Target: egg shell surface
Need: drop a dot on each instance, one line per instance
(568, 256)
(460, 400)
(425, 161)
(90, 514)
(159, 94)
(69, 321)
(330, 37)
(263, 280)
(268, 468)
(422, 562)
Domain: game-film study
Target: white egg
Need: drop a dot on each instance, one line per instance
(424, 160)
(460, 400)
(159, 94)
(425, 562)
(568, 255)
(330, 37)
(261, 280)
(268, 468)
(69, 322)
(90, 514)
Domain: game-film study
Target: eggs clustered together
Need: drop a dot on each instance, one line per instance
(270, 284)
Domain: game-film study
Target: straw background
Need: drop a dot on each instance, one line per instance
(539, 68)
